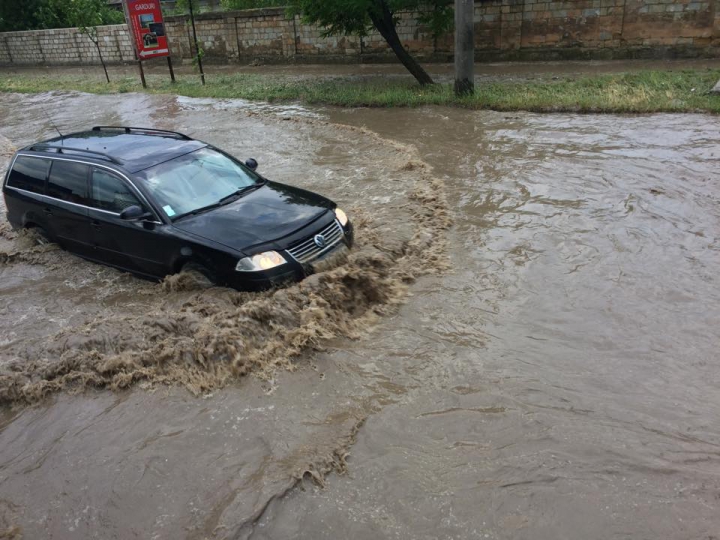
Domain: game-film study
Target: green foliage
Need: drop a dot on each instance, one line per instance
(182, 7)
(345, 17)
(38, 14)
(198, 57)
(354, 16)
(19, 15)
(439, 18)
(252, 4)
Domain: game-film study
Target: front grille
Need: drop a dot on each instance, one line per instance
(307, 250)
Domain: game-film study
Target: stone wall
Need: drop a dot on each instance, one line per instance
(504, 29)
(65, 46)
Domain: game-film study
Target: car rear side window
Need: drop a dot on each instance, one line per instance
(110, 193)
(69, 182)
(29, 173)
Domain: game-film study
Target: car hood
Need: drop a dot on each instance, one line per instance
(265, 215)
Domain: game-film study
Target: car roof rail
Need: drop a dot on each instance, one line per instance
(62, 149)
(148, 131)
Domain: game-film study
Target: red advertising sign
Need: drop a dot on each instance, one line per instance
(145, 22)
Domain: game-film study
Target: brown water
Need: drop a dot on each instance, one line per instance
(560, 381)
(105, 329)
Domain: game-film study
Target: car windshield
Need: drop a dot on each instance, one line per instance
(202, 179)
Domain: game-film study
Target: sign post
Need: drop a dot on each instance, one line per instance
(197, 47)
(145, 22)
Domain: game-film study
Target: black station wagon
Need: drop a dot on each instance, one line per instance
(156, 202)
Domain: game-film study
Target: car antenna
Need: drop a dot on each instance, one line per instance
(51, 122)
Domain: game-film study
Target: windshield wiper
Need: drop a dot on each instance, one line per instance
(228, 198)
(239, 193)
(197, 211)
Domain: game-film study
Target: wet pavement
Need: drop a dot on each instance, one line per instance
(557, 380)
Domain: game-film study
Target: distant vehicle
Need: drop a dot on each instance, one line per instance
(156, 202)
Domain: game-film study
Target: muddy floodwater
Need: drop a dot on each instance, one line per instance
(523, 344)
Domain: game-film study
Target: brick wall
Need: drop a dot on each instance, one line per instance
(504, 29)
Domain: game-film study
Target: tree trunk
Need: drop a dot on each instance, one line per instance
(384, 24)
(102, 61)
(96, 41)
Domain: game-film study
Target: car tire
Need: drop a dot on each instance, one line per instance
(200, 274)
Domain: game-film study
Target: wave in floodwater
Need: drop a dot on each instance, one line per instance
(71, 324)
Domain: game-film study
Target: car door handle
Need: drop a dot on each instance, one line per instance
(96, 225)
(48, 211)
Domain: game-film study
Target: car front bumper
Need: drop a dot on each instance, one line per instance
(292, 271)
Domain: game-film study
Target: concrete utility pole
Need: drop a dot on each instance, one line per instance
(464, 47)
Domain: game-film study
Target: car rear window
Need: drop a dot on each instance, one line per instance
(29, 173)
(110, 193)
(69, 182)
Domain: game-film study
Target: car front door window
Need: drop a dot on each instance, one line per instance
(110, 193)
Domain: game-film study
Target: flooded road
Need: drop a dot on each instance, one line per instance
(575, 392)
(552, 372)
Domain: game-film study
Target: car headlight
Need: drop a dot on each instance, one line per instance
(261, 261)
(341, 216)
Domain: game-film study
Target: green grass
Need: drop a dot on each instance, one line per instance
(640, 92)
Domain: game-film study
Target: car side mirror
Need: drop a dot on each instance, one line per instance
(251, 164)
(133, 212)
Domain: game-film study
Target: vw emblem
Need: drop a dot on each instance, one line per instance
(319, 241)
